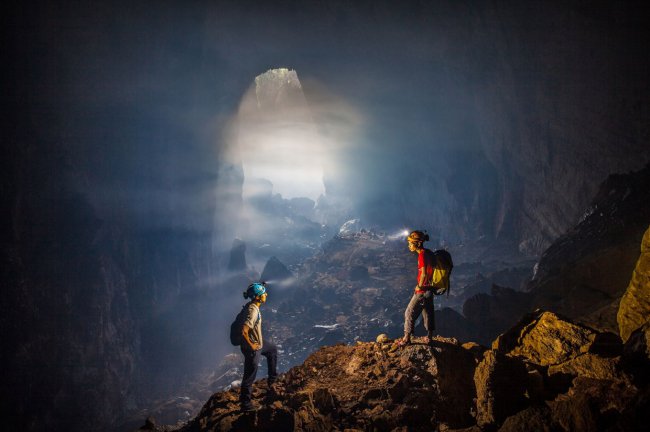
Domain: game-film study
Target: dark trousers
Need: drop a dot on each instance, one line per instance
(251, 360)
(420, 304)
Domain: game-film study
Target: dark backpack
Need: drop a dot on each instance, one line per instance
(237, 325)
(444, 265)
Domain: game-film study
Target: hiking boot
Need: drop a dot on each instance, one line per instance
(403, 341)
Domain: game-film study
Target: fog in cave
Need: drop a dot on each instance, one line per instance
(157, 157)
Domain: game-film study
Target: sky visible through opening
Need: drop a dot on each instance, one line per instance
(278, 139)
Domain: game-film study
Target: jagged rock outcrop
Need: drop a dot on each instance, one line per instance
(237, 261)
(368, 385)
(445, 385)
(274, 270)
(634, 309)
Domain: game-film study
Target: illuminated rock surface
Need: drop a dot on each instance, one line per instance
(545, 339)
(634, 309)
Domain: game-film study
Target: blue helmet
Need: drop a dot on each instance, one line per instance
(255, 289)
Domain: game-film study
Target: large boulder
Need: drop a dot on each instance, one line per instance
(500, 388)
(634, 309)
(545, 339)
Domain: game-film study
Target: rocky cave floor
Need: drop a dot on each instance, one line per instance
(546, 374)
(356, 288)
(569, 371)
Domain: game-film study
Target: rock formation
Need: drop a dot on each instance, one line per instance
(545, 339)
(237, 261)
(446, 386)
(634, 309)
(589, 267)
(584, 273)
(548, 166)
(274, 270)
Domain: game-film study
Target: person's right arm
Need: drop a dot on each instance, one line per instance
(245, 334)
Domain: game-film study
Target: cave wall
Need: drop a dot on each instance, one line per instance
(506, 118)
(108, 208)
(69, 343)
(561, 103)
(107, 192)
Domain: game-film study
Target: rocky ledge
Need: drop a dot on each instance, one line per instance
(546, 373)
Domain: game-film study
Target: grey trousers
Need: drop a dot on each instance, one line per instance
(420, 304)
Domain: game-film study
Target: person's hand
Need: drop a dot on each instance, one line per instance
(256, 346)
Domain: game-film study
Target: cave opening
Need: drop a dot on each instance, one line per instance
(281, 149)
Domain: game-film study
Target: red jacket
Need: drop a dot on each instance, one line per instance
(426, 264)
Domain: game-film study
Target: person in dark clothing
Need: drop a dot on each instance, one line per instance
(422, 299)
(253, 346)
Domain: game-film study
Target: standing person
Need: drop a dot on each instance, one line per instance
(422, 300)
(252, 345)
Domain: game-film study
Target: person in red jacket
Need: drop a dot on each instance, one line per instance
(422, 300)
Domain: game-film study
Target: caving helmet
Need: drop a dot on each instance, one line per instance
(256, 289)
(417, 237)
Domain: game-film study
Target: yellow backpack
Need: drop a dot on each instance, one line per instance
(441, 271)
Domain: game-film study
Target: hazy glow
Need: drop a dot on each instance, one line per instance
(398, 235)
(283, 144)
(291, 156)
(278, 139)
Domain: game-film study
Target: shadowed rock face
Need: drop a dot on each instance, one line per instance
(586, 271)
(553, 146)
(237, 261)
